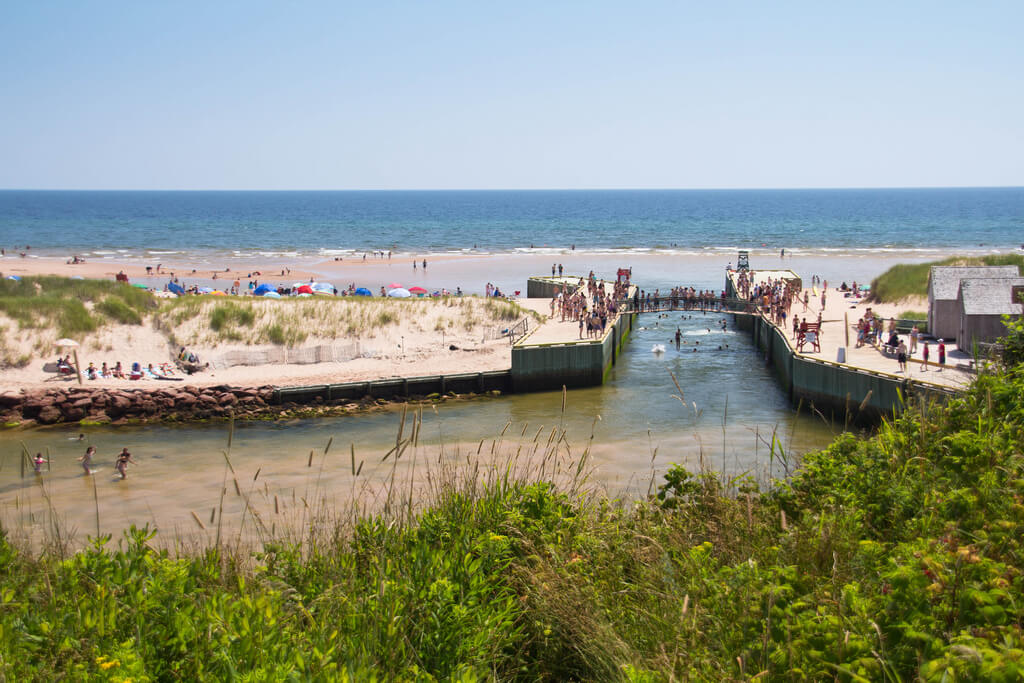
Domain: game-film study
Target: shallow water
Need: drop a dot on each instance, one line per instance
(634, 427)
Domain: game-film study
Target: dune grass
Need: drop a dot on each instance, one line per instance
(289, 322)
(71, 308)
(894, 557)
(906, 280)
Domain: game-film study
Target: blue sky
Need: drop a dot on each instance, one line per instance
(381, 95)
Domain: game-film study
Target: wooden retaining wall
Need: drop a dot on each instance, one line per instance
(583, 363)
(398, 387)
(836, 389)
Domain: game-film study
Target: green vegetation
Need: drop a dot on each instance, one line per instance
(70, 308)
(905, 280)
(895, 557)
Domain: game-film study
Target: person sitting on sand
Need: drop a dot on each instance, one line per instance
(123, 458)
(90, 371)
(86, 459)
(118, 371)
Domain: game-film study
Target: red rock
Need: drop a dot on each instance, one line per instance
(49, 415)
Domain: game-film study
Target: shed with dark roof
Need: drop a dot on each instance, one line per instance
(943, 288)
(982, 303)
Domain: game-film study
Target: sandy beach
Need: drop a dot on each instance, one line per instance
(415, 345)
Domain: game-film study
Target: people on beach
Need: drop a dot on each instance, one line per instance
(121, 466)
(86, 459)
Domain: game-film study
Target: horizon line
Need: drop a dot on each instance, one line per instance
(520, 189)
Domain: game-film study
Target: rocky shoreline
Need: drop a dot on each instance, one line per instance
(89, 406)
(120, 406)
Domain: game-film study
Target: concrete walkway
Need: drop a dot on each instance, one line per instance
(841, 310)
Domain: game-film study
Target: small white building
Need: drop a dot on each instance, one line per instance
(982, 303)
(943, 289)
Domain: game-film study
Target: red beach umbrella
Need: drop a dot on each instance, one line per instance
(394, 285)
(305, 289)
(417, 290)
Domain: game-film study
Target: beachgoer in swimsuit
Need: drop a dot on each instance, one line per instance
(901, 356)
(86, 459)
(38, 462)
(924, 357)
(942, 353)
(123, 458)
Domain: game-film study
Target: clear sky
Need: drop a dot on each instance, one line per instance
(381, 95)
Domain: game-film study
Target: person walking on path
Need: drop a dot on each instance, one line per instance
(901, 356)
(942, 354)
(914, 334)
(924, 357)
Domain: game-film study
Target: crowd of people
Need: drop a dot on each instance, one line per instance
(121, 461)
(589, 303)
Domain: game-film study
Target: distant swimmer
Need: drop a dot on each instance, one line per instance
(86, 459)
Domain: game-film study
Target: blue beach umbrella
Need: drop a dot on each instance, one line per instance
(263, 289)
(322, 288)
(363, 291)
(13, 277)
(205, 290)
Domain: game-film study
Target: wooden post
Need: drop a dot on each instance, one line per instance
(846, 329)
(78, 367)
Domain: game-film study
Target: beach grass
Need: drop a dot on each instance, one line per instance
(898, 556)
(911, 280)
(288, 322)
(63, 307)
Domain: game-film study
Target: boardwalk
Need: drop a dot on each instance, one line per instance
(840, 309)
(554, 330)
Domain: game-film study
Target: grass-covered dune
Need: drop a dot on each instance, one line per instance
(911, 280)
(895, 557)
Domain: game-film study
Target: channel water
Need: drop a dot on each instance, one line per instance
(732, 418)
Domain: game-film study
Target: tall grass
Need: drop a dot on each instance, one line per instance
(895, 557)
(906, 280)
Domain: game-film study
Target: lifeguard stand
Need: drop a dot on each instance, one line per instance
(743, 261)
(624, 274)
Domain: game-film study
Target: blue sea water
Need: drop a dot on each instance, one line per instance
(325, 223)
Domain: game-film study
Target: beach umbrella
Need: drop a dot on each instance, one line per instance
(322, 288)
(77, 277)
(165, 295)
(304, 289)
(218, 292)
(66, 343)
(263, 289)
(205, 290)
(363, 291)
(394, 285)
(13, 277)
(270, 294)
(418, 291)
(177, 289)
(139, 285)
(399, 293)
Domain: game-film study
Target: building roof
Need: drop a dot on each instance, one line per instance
(944, 281)
(990, 296)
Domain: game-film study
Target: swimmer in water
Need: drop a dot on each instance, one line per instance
(123, 458)
(38, 462)
(86, 459)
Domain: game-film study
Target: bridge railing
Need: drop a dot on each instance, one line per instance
(678, 303)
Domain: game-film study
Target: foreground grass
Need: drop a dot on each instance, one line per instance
(906, 280)
(897, 557)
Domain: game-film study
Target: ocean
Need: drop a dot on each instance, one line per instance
(213, 226)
